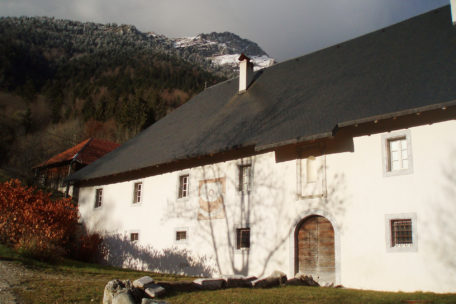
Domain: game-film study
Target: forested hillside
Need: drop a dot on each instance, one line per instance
(63, 81)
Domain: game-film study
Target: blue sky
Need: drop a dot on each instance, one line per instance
(283, 28)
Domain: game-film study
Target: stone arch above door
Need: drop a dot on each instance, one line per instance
(315, 252)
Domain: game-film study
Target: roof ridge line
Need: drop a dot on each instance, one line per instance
(82, 149)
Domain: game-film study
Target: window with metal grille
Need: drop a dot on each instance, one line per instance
(397, 154)
(243, 238)
(183, 186)
(137, 193)
(401, 232)
(134, 236)
(98, 197)
(181, 235)
(245, 177)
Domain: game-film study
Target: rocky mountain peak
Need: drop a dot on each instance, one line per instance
(224, 49)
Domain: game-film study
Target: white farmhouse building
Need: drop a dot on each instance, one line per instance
(340, 164)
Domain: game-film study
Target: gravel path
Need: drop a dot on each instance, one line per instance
(11, 275)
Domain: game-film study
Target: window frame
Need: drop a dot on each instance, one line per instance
(241, 177)
(180, 192)
(389, 219)
(181, 229)
(134, 233)
(239, 240)
(312, 169)
(135, 193)
(310, 189)
(98, 198)
(386, 143)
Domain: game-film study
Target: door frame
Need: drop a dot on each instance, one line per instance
(300, 218)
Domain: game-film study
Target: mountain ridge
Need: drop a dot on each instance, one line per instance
(62, 81)
(201, 49)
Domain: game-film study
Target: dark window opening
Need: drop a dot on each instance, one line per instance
(242, 238)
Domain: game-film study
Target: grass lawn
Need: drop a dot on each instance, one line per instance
(68, 281)
(308, 295)
(75, 282)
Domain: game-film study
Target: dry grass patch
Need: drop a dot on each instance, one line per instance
(76, 282)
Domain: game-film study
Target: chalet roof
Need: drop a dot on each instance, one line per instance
(405, 68)
(85, 152)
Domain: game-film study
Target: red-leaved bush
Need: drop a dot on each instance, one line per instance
(88, 248)
(32, 222)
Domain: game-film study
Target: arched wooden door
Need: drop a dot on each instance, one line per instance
(315, 253)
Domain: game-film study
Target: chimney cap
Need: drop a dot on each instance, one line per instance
(244, 57)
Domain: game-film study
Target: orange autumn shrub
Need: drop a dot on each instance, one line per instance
(88, 248)
(32, 222)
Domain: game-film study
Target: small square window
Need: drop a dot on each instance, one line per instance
(245, 177)
(181, 235)
(242, 238)
(137, 195)
(401, 232)
(134, 236)
(183, 186)
(98, 197)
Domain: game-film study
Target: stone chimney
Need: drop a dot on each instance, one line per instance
(453, 11)
(246, 72)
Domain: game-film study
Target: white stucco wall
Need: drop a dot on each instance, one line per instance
(359, 200)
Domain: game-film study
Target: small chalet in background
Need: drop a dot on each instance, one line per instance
(52, 172)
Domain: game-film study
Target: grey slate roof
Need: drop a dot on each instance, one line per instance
(410, 66)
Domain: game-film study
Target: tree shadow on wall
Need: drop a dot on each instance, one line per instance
(440, 234)
(270, 209)
(122, 252)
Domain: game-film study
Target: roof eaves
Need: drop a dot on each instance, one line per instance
(53, 165)
(397, 114)
(293, 141)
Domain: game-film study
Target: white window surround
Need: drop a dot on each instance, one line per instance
(316, 186)
(178, 229)
(133, 201)
(386, 139)
(401, 216)
(240, 164)
(178, 187)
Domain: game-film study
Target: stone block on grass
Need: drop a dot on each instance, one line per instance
(143, 282)
(279, 275)
(266, 282)
(154, 290)
(211, 284)
(306, 279)
(123, 298)
(180, 286)
(294, 282)
(151, 301)
(114, 287)
(239, 281)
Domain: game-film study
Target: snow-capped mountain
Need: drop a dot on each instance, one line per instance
(215, 52)
(224, 49)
